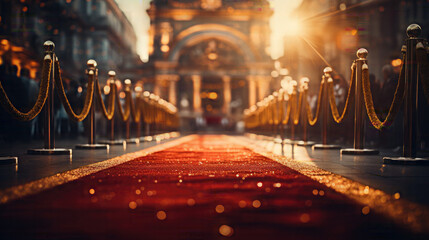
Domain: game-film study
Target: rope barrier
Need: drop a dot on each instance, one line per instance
(135, 107)
(41, 98)
(125, 114)
(110, 112)
(297, 110)
(422, 60)
(369, 104)
(288, 112)
(334, 109)
(63, 97)
(312, 121)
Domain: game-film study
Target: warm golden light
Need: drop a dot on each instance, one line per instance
(226, 230)
(161, 215)
(220, 208)
(212, 56)
(396, 62)
(256, 204)
(132, 205)
(165, 48)
(212, 95)
(242, 204)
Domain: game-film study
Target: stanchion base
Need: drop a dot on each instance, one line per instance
(147, 139)
(133, 140)
(47, 151)
(354, 151)
(289, 141)
(405, 160)
(8, 160)
(325, 146)
(92, 146)
(113, 142)
(305, 143)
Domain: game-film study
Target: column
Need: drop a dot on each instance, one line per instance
(196, 79)
(252, 90)
(172, 98)
(226, 95)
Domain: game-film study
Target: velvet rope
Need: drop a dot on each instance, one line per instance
(63, 97)
(110, 112)
(288, 111)
(134, 106)
(296, 113)
(394, 107)
(125, 114)
(350, 94)
(312, 121)
(41, 98)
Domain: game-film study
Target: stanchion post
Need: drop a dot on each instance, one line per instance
(409, 153)
(112, 141)
(359, 123)
(304, 88)
(411, 99)
(325, 111)
(49, 127)
(127, 84)
(92, 71)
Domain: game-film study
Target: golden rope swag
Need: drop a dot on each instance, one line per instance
(369, 104)
(41, 98)
(125, 114)
(288, 111)
(312, 121)
(297, 110)
(334, 109)
(62, 94)
(134, 106)
(108, 114)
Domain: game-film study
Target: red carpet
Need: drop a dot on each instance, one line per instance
(174, 194)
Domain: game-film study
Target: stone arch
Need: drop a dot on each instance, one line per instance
(201, 32)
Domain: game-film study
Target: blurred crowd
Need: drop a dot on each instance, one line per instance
(22, 91)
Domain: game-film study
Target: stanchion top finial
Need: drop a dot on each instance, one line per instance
(112, 74)
(91, 63)
(49, 46)
(327, 70)
(414, 31)
(362, 53)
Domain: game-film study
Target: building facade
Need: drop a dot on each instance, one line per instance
(210, 56)
(81, 30)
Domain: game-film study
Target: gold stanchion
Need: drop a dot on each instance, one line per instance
(359, 121)
(325, 108)
(92, 72)
(49, 127)
(409, 154)
(112, 140)
(134, 109)
(304, 88)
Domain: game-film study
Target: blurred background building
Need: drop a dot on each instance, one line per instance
(81, 29)
(210, 57)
